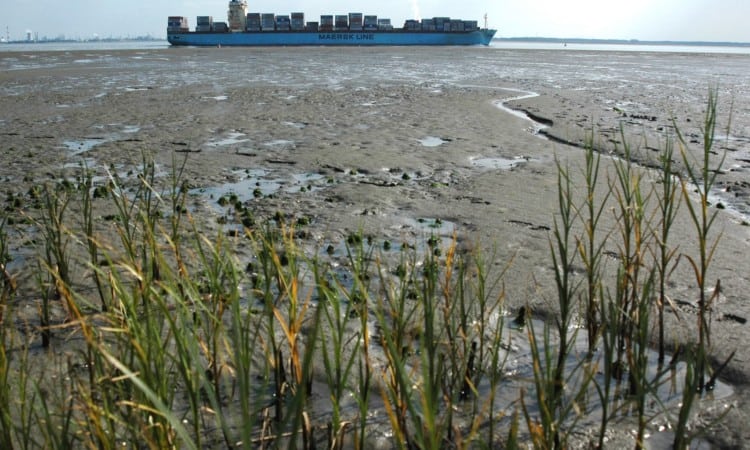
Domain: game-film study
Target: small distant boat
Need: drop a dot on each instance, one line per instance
(256, 29)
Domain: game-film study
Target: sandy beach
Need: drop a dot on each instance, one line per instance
(383, 157)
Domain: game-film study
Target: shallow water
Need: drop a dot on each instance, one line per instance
(299, 67)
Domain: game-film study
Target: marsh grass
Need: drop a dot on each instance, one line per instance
(7, 337)
(180, 344)
(549, 365)
(702, 176)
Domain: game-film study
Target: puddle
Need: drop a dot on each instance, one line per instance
(518, 368)
(499, 163)
(253, 183)
(305, 178)
(432, 141)
(420, 235)
(130, 129)
(79, 146)
(114, 131)
(412, 235)
(80, 163)
(279, 143)
(400, 175)
(297, 125)
(231, 139)
(431, 225)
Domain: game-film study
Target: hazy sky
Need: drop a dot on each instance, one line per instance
(704, 20)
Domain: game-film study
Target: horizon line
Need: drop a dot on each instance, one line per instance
(623, 41)
(561, 40)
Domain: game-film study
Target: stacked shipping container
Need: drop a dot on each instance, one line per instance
(253, 22)
(268, 22)
(204, 23)
(341, 23)
(385, 25)
(296, 22)
(326, 23)
(355, 21)
(177, 24)
(283, 23)
(370, 23)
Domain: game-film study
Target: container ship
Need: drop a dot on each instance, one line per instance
(260, 29)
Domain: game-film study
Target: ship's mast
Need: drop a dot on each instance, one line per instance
(485, 22)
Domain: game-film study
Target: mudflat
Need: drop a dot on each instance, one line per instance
(384, 156)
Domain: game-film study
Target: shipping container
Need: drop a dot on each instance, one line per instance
(385, 24)
(370, 23)
(355, 21)
(471, 25)
(326, 23)
(253, 22)
(311, 26)
(283, 23)
(342, 23)
(298, 21)
(204, 23)
(177, 24)
(268, 22)
(221, 27)
(412, 25)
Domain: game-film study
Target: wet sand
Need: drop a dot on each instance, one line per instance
(383, 158)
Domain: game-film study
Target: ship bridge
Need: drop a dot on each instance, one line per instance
(237, 15)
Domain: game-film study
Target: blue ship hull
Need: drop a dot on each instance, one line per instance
(326, 38)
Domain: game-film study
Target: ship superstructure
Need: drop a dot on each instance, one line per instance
(237, 15)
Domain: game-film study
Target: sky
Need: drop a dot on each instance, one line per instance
(674, 20)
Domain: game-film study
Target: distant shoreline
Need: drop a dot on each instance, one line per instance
(84, 41)
(547, 40)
